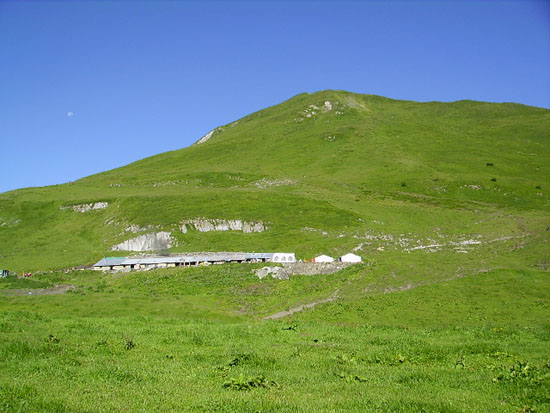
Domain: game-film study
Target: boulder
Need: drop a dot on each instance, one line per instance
(278, 273)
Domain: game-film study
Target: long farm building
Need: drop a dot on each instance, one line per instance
(191, 259)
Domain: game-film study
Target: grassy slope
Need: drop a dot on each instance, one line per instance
(415, 167)
(453, 295)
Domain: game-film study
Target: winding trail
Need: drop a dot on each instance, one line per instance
(387, 290)
(282, 314)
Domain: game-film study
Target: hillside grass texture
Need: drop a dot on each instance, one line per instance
(194, 340)
(447, 203)
(457, 168)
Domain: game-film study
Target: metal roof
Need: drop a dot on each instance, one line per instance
(108, 261)
(259, 255)
(185, 258)
(151, 260)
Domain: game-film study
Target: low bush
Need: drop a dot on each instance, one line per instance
(242, 383)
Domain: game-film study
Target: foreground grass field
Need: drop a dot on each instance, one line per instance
(447, 203)
(196, 340)
(322, 181)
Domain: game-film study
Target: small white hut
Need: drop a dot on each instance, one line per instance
(323, 258)
(350, 258)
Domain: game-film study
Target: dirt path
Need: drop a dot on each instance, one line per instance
(56, 289)
(282, 314)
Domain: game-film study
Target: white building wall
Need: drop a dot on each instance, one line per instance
(284, 257)
(350, 258)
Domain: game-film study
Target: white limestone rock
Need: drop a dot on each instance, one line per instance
(207, 225)
(146, 242)
(279, 273)
(86, 207)
(265, 183)
(136, 228)
(209, 134)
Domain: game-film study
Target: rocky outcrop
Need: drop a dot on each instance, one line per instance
(205, 137)
(315, 268)
(265, 183)
(9, 223)
(278, 273)
(207, 225)
(86, 207)
(300, 268)
(147, 242)
(209, 134)
(136, 228)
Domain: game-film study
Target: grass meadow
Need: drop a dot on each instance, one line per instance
(195, 340)
(447, 203)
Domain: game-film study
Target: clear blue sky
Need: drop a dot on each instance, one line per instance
(87, 86)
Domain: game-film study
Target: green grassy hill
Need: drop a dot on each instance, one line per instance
(447, 203)
(321, 175)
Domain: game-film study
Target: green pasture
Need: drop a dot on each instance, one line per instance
(462, 167)
(447, 203)
(195, 340)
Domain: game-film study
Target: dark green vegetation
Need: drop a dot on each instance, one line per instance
(446, 202)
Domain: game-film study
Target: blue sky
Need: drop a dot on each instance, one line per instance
(87, 86)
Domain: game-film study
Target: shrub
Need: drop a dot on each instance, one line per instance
(522, 371)
(130, 344)
(238, 360)
(352, 378)
(242, 383)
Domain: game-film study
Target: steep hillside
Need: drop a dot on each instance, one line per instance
(444, 185)
(447, 203)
